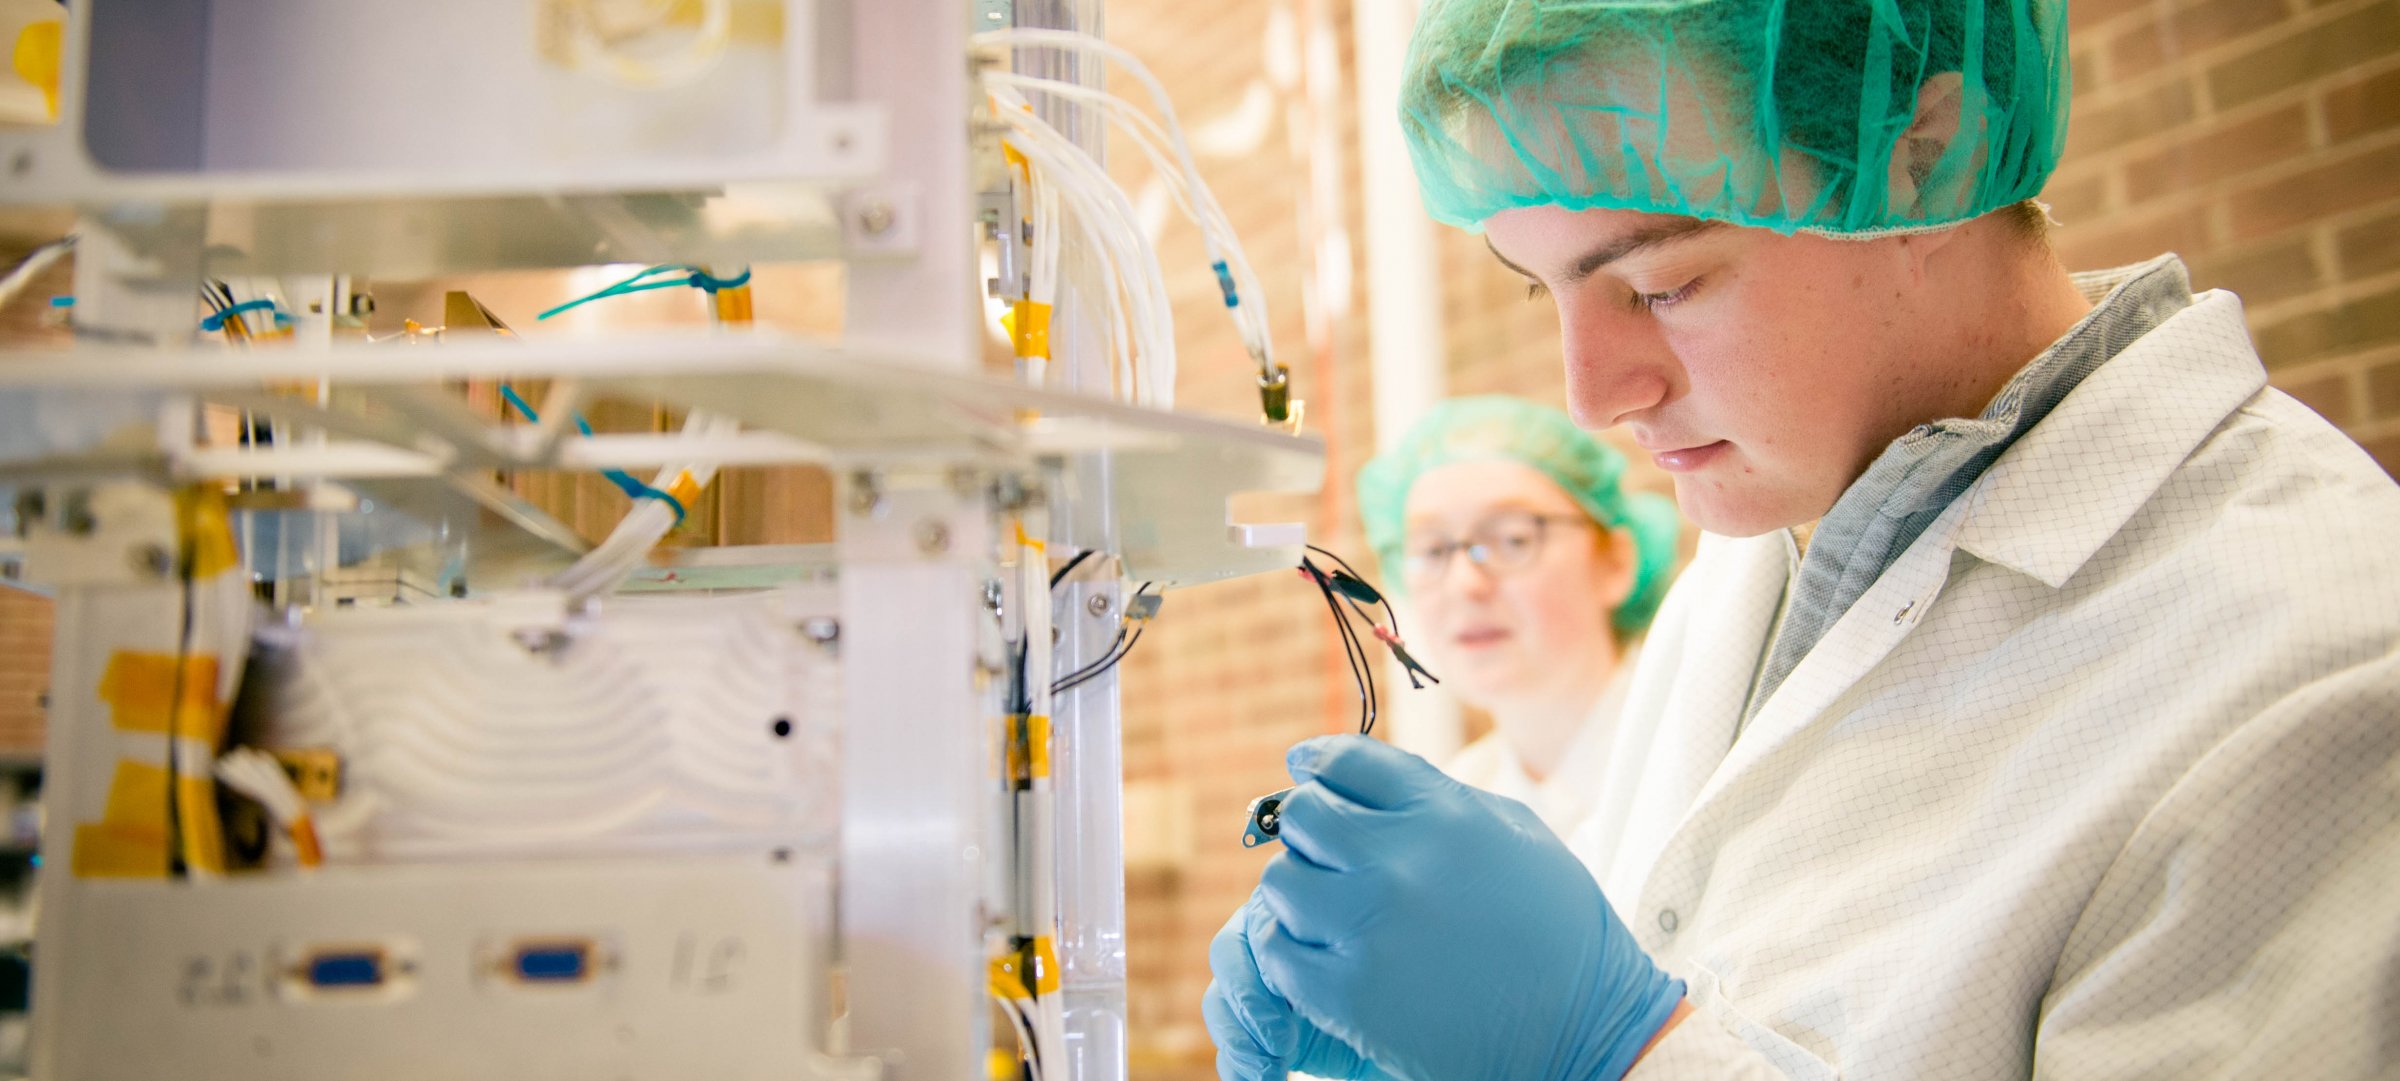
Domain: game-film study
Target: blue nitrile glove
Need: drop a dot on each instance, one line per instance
(1443, 932)
(1258, 1037)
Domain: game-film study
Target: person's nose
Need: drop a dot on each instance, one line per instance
(1467, 579)
(1617, 365)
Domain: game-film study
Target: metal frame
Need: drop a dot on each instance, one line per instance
(921, 446)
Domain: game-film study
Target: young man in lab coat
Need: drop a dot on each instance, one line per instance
(2033, 709)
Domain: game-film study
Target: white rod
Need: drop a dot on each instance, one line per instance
(1404, 305)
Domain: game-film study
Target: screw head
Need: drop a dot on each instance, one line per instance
(866, 495)
(153, 560)
(1098, 605)
(876, 218)
(933, 538)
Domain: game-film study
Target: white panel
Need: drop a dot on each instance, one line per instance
(703, 969)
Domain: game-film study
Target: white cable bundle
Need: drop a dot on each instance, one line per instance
(606, 567)
(1099, 219)
(256, 774)
(1163, 144)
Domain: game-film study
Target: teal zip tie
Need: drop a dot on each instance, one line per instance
(693, 277)
(217, 322)
(626, 482)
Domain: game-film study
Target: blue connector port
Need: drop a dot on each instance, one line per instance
(341, 970)
(553, 962)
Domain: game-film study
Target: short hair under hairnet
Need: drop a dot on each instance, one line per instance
(1785, 114)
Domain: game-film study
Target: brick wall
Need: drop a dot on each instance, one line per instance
(2258, 138)
(2261, 140)
(25, 617)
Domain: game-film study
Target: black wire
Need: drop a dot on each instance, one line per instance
(1390, 614)
(1101, 668)
(1108, 657)
(1032, 1050)
(1060, 575)
(1020, 691)
(1362, 671)
(185, 566)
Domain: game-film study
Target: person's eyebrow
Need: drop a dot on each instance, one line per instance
(1642, 239)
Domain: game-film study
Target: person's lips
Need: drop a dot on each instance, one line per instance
(1480, 637)
(1691, 458)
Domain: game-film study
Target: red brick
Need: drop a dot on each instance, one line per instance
(2076, 200)
(2311, 53)
(2383, 390)
(2344, 328)
(2116, 241)
(2362, 107)
(2105, 125)
(2222, 151)
(2263, 273)
(2083, 71)
(2083, 15)
(2182, 31)
(2386, 450)
(2329, 395)
(2349, 181)
(2370, 247)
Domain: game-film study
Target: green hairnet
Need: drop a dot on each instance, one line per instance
(1512, 429)
(1785, 114)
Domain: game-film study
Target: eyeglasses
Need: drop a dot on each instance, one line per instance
(1504, 543)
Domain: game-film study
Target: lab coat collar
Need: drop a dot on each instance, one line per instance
(2116, 437)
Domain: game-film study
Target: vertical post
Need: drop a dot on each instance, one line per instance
(913, 281)
(1404, 304)
(914, 774)
(1090, 767)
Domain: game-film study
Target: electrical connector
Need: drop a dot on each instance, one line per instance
(1275, 394)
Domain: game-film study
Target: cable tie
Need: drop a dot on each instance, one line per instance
(217, 322)
(626, 482)
(706, 283)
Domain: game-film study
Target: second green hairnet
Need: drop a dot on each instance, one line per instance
(1850, 117)
(1501, 428)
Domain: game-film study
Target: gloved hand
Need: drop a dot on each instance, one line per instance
(1436, 931)
(1258, 1037)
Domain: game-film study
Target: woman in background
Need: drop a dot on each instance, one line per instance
(1532, 574)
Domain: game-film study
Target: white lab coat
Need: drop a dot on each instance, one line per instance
(1569, 792)
(2101, 778)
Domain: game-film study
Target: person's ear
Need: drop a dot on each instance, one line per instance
(1619, 565)
(1940, 103)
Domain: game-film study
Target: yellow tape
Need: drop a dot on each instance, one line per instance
(1037, 739)
(1028, 747)
(685, 490)
(733, 305)
(204, 526)
(1024, 539)
(748, 23)
(1028, 324)
(140, 689)
(1008, 974)
(130, 840)
(36, 58)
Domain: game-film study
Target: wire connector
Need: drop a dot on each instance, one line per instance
(1275, 394)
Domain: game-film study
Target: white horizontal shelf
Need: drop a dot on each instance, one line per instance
(850, 407)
